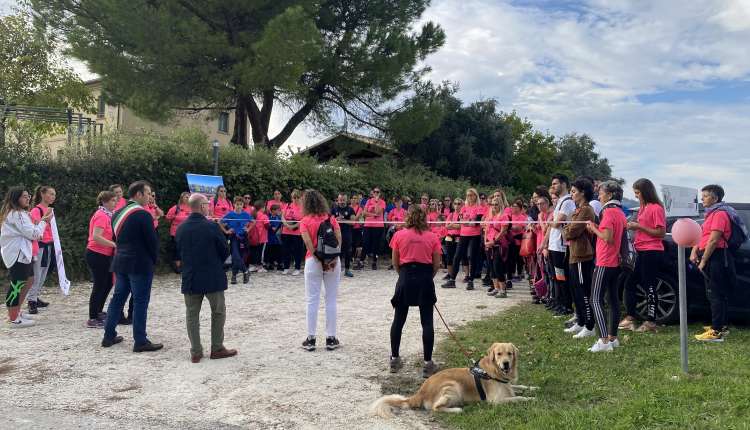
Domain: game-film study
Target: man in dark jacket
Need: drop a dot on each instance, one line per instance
(203, 249)
(133, 264)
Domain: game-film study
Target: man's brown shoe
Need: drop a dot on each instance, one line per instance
(196, 358)
(223, 353)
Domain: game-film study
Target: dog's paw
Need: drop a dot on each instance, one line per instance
(532, 388)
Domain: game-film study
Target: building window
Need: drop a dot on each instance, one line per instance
(224, 122)
(101, 108)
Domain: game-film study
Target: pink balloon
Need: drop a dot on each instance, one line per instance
(686, 232)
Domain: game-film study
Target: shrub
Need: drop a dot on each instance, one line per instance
(79, 173)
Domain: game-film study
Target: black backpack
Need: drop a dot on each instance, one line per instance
(328, 247)
(739, 234)
(628, 254)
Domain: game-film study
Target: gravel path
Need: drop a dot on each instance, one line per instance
(55, 375)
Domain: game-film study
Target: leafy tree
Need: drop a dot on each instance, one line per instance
(33, 74)
(316, 58)
(471, 142)
(534, 157)
(577, 154)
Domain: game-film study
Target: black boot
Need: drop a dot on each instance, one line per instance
(41, 303)
(33, 307)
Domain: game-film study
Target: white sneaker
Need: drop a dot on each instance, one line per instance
(584, 333)
(615, 343)
(26, 316)
(262, 270)
(252, 269)
(21, 323)
(296, 273)
(600, 346)
(285, 272)
(574, 319)
(575, 328)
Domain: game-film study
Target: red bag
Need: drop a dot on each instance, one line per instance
(528, 244)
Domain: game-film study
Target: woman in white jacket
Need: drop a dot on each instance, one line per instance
(17, 237)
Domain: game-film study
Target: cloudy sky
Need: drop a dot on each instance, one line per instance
(663, 87)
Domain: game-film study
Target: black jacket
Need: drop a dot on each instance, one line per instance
(137, 244)
(202, 247)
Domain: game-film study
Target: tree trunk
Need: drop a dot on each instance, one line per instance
(240, 124)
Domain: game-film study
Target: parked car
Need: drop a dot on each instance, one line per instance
(698, 306)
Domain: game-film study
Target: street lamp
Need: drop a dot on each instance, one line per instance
(215, 145)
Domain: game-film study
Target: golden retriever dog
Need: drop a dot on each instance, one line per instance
(450, 389)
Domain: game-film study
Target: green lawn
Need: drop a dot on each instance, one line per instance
(638, 386)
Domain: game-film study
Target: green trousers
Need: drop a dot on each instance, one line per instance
(193, 304)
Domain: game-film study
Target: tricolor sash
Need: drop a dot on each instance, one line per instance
(118, 220)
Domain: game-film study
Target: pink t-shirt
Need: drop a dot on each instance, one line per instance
(357, 213)
(270, 203)
(608, 255)
(291, 213)
(415, 247)
(36, 216)
(438, 229)
(471, 213)
(452, 218)
(397, 215)
(152, 210)
(719, 221)
(120, 203)
(261, 226)
(493, 229)
(220, 207)
(651, 216)
(102, 220)
(539, 231)
(374, 220)
(310, 224)
(176, 217)
(250, 210)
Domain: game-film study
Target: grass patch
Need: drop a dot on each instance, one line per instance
(639, 385)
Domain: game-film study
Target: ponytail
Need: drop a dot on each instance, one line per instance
(38, 191)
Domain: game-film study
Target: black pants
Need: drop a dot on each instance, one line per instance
(373, 237)
(497, 265)
(511, 264)
(450, 250)
(468, 247)
(294, 248)
(428, 331)
(99, 266)
(722, 272)
(646, 269)
(346, 249)
(605, 282)
(173, 257)
(580, 280)
(273, 256)
(561, 292)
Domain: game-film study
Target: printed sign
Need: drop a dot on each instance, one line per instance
(680, 201)
(204, 184)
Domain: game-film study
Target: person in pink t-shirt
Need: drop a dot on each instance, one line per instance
(416, 258)
(220, 205)
(99, 251)
(396, 215)
(258, 237)
(496, 247)
(319, 272)
(514, 267)
(357, 234)
(469, 242)
(120, 200)
(649, 229)
(154, 210)
(374, 227)
(452, 233)
(276, 201)
(716, 261)
(249, 204)
(176, 215)
(608, 234)
(44, 197)
(294, 249)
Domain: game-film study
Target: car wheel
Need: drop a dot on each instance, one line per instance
(668, 308)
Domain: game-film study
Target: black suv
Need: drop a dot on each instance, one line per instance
(667, 287)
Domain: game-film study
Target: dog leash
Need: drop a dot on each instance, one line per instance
(455, 339)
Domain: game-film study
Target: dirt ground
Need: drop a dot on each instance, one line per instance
(56, 375)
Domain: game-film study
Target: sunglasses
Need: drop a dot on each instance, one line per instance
(246, 197)
(376, 192)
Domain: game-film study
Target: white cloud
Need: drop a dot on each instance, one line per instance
(569, 70)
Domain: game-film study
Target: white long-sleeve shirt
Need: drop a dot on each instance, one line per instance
(16, 235)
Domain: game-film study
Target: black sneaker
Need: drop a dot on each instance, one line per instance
(234, 279)
(309, 343)
(246, 277)
(125, 321)
(490, 289)
(446, 277)
(469, 285)
(332, 343)
(33, 307)
(148, 347)
(374, 266)
(109, 342)
(508, 285)
(449, 284)
(396, 364)
(359, 266)
(41, 303)
(429, 369)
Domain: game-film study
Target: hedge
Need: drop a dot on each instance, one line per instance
(78, 174)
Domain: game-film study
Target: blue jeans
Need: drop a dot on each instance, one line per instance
(238, 260)
(139, 286)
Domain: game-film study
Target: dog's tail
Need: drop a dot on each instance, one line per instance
(383, 407)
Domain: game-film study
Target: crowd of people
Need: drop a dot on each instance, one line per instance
(570, 241)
